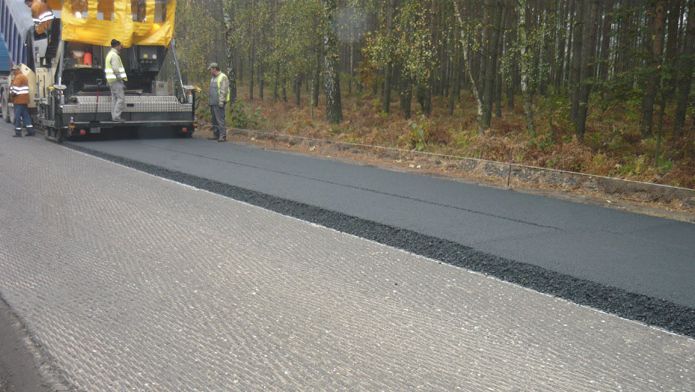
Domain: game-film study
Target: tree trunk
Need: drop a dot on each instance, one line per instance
(252, 66)
(456, 77)
(241, 69)
(525, 62)
(261, 83)
(424, 98)
(229, 50)
(576, 65)
(560, 39)
(406, 94)
(543, 50)
(685, 71)
(388, 72)
(465, 47)
(567, 66)
(674, 13)
(334, 110)
(586, 75)
(604, 61)
(489, 56)
(284, 89)
(657, 46)
(668, 81)
(316, 86)
(498, 96)
(499, 51)
(276, 84)
(298, 91)
(352, 65)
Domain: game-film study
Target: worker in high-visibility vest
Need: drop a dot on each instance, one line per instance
(219, 96)
(116, 78)
(42, 15)
(19, 94)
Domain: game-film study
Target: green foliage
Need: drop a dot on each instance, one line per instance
(463, 140)
(635, 165)
(418, 136)
(419, 133)
(297, 40)
(245, 117)
(197, 39)
(409, 43)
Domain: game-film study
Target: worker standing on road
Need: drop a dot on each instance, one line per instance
(42, 15)
(219, 96)
(116, 78)
(19, 92)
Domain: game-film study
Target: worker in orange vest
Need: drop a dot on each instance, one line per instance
(42, 15)
(19, 93)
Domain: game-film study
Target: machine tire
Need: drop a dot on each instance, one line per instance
(10, 116)
(5, 108)
(49, 133)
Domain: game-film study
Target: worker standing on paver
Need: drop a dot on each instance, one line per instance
(19, 92)
(42, 15)
(116, 78)
(219, 96)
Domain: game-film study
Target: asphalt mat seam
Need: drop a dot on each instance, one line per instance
(637, 307)
(361, 188)
(472, 211)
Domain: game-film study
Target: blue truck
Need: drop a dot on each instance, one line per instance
(4, 71)
(5, 65)
(15, 23)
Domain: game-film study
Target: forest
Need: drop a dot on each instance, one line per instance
(596, 86)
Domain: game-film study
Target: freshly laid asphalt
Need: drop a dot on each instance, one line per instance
(638, 254)
(126, 281)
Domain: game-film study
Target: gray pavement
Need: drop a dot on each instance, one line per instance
(637, 253)
(129, 281)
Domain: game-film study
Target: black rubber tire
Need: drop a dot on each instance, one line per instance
(10, 116)
(5, 108)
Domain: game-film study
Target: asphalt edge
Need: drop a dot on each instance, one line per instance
(51, 377)
(649, 310)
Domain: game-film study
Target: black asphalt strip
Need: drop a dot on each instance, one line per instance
(653, 311)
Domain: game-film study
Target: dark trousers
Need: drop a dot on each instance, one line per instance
(21, 115)
(219, 125)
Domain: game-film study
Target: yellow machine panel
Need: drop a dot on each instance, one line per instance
(133, 22)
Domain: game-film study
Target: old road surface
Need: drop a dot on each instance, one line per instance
(122, 280)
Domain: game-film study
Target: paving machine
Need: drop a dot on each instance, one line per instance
(65, 66)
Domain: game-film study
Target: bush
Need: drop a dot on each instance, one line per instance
(417, 137)
(245, 118)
